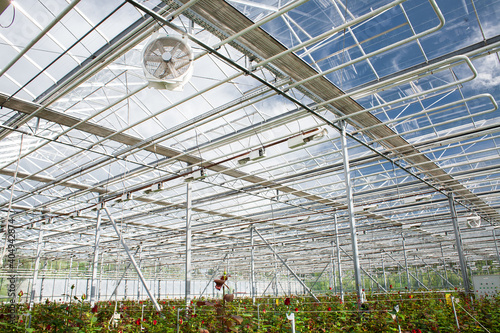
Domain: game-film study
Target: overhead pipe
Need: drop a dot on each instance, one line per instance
(435, 7)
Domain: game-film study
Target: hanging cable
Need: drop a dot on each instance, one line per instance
(13, 19)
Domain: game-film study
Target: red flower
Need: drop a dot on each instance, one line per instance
(329, 309)
(94, 309)
(144, 319)
(330, 288)
(138, 322)
(49, 327)
(390, 286)
(154, 322)
(203, 322)
(296, 309)
(456, 288)
(287, 301)
(180, 321)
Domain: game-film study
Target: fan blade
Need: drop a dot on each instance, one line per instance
(175, 48)
(161, 70)
(150, 57)
(172, 69)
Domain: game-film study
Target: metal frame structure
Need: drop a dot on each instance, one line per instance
(410, 157)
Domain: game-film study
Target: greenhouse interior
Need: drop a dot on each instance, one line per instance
(249, 165)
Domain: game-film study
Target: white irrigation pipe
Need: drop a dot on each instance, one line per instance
(490, 97)
(369, 55)
(327, 34)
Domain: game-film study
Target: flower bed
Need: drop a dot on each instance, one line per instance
(418, 312)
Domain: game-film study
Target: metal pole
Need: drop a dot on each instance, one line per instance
(334, 277)
(37, 266)
(496, 246)
(458, 242)
(383, 270)
(288, 267)
(252, 266)
(339, 265)
(187, 281)
(100, 278)
(408, 282)
(131, 257)
(350, 209)
(444, 265)
(96, 258)
(139, 264)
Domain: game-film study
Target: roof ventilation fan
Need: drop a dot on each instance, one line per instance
(167, 62)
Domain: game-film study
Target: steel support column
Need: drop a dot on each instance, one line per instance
(131, 257)
(288, 267)
(383, 271)
(496, 246)
(408, 282)
(333, 283)
(187, 280)
(37, 265)
(350, 209)
(252, 266)
(96, 258)
(458, 242)
(339, 265)
(139, 282)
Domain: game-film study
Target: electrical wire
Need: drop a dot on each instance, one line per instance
(13, 19)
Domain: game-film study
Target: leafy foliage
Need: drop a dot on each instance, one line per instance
(418, 312)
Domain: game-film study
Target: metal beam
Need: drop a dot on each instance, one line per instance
(339, 265)
(187, 280)
(252, 266)
(458, 244)
(350, 211)
(96, 258)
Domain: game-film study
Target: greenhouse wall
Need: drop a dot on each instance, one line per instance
(56, 289)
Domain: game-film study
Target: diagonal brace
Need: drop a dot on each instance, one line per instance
(364, 271)
(288, 267)
(409, 273)
(132, 260)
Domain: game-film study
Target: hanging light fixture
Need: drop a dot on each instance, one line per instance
(303, 138)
